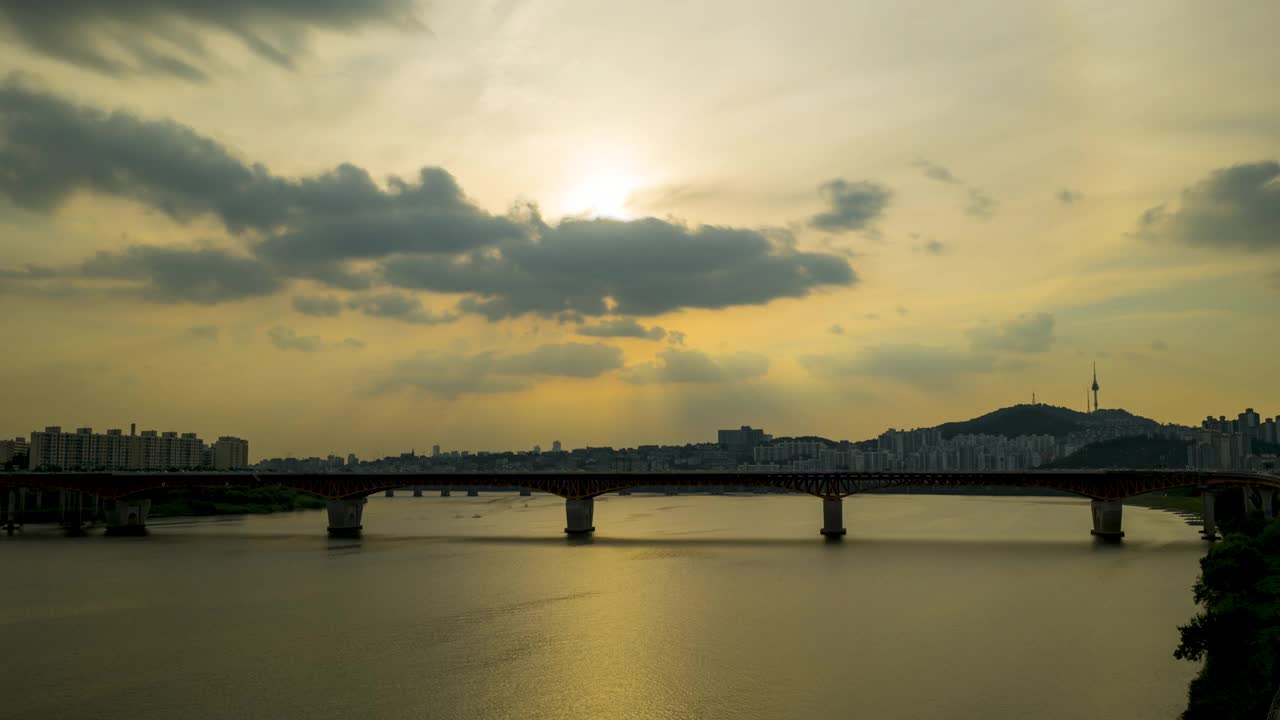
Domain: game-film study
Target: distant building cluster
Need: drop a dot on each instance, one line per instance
(149, 450)
(1234, 444)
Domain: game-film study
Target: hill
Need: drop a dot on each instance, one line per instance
(1038, 420)
(1136, 453)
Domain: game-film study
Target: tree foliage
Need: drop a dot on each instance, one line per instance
(1237, 634)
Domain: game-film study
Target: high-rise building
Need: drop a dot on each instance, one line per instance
(87, 450)
(435, 451)
(741, 442)
(230, 453)
(555, 446)
(15, 449)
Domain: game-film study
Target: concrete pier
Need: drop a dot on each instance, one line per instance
(72, 517)
(579, 514)
(1267, 502)
(1210, 529)
(526, 492)
(128, 517)
(473, 493)
(417, 492)
(1107, 515)
(833, 517)
(444, 493)
(345, 515)
(390, 493)
(11, 513)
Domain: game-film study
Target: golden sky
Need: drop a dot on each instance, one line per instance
(381, 225)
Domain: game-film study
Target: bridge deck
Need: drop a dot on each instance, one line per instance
(1094, 484)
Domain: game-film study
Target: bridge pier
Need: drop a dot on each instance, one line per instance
(345, 515)
(473, 493)
(390, 493)
(72, 518)
(11, 513)
(526, 492)
(579, 514)
(833, 517)
(1260, 500)
(417, 492)
(444, 492)
(1268, 503)
(128, 517)
(1210, 529)
(1107, 515)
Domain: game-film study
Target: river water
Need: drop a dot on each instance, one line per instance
(680, 607)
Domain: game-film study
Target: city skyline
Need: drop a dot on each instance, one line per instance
(411, 221)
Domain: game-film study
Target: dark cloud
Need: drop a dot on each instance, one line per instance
(166, 37)
(355, 343)
(204, 332)
(675, 337)
(344, 230)
(452, 374)
(322, 306)
(1067, 196)
(981, 205)
(692, 366)
(180, 274)
(27, 272)
(1031, 333)
(836, 329)
(52, 148)
(622, 327)
(929, 368)
(1237, 208)
(286, 339)
(854, 206)
(1159, 345)
(399, 306)
(931, 247)
(645, 267)
(936, 171)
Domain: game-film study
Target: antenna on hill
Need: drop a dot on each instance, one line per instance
(1033, 397)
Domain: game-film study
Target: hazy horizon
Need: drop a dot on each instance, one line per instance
(382, 225)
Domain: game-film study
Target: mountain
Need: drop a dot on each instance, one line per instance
(1038, 420)
(1138, 453)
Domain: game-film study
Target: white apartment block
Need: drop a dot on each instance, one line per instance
(150, 450)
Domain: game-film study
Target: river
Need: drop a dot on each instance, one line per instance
(955, 607)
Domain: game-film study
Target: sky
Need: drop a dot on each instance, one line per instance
(372, 226)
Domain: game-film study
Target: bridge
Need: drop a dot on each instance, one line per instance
(347, 492)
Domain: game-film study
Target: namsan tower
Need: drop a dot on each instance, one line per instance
(1095, 387)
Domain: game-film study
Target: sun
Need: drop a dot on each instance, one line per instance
(604, 195)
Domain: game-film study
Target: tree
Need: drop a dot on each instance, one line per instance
(1237, 635)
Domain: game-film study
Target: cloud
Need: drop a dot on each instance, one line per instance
(286, 339)
(929, 368)
(451, 374)
(184, 275)
(641, 267)
(854, 206)
(344, 230)
(622, 327)
(981, 205)
(931, 247)
(321, 306)
(692, 366)
(1028, 333)
(204, 332)
(356, 343)
(836, 329)
(1159, 345)
(675, 337)
(399, 306)
(1235, 208)
(27, 272)
(936, 171)
(1067, 196)
(166, 37)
